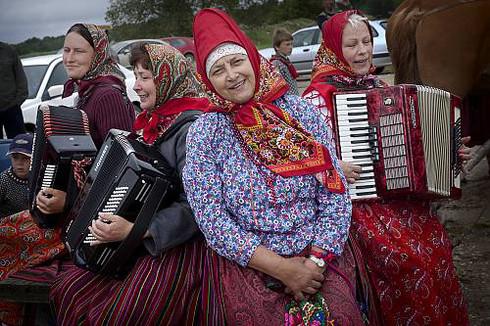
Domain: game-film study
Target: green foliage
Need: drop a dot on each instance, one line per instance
(262, 35)
(35, 45)
(159, 18)
(377, 8)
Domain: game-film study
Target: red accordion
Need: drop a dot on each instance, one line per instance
(405, 137)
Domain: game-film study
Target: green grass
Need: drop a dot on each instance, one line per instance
(262, 35)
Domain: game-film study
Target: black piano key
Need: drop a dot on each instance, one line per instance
(360, 150)
(357, 157)
(357, 120)
(360, 135)
(365, 193)
(356, 113)
(365, 178)
(359, 142)
(356, 105)
(359, 128)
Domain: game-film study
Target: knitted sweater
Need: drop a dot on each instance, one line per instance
(107, 108)
(13, 193)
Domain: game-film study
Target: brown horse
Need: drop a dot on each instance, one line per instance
(445, 44)
(442, 43)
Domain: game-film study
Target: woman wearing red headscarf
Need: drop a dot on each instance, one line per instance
(168, 284)
(407, 250)
(266, 191)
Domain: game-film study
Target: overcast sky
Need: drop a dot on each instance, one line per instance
(23, 19)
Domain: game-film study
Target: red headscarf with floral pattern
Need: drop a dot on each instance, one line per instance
(271, 136)
(177, 91)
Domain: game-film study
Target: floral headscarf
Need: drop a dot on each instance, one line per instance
(270, 136)
(103, 68)
(177, 90)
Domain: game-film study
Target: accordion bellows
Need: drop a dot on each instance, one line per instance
(405, 137)
(62, 135)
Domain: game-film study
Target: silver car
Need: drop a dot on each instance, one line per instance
(306, 42)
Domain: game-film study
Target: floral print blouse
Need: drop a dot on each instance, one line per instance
(237, 209)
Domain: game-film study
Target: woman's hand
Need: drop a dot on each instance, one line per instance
(465, 152)
(351, 171)
(301, 276)
(50, 201)
(109, 228)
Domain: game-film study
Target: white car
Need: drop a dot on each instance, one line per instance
(306, 42)
(48, 73)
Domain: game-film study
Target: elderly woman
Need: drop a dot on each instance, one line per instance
(407, 250)
(101, 92)
(266, 190)
(166, 284)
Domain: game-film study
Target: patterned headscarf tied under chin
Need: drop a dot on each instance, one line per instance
(271, 137)
(103, 68)
(177, 90)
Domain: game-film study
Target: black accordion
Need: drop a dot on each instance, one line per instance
(128, 178)
(62, 135)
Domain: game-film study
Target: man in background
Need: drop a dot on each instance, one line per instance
(330, 8)
(13, 91)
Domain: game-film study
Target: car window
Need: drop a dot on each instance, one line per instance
(317, 38)
(58, 77)
(375, 33)
(34, 76)
(176, 43)
(304, 38)
(383, 24)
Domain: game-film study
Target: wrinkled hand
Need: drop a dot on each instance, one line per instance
(464, 152)
(351, 171)
(50, 201)
(300, 277)
(109, 228)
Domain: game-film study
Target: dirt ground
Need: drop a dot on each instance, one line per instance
(468, 223)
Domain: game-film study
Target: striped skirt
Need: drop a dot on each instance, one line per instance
(172, 289)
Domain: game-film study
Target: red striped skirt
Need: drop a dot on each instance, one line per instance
(172, 289)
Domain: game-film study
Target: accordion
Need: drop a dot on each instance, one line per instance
(62, 135)
(405, 138)
(128, 178)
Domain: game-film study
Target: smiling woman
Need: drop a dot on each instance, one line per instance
(266, 190)
(102, 96)
(232, 76)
